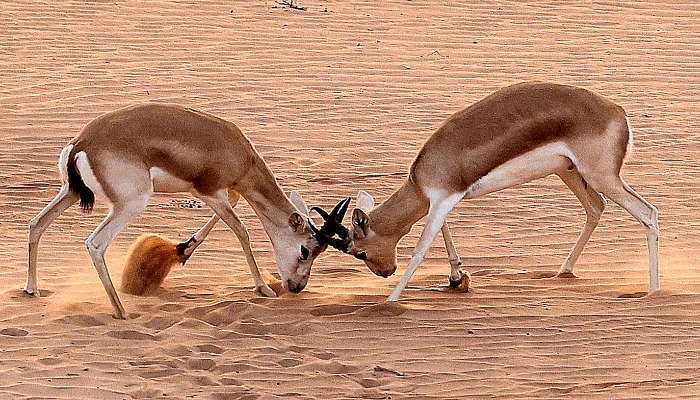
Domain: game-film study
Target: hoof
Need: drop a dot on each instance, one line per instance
(461, 285)
(566, 275)
(33, 293)
(266, 291)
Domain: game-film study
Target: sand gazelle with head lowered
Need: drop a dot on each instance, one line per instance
(127, 155)
(518, 134)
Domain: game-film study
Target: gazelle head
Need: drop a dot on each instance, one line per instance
(378, 251)
(296, 248)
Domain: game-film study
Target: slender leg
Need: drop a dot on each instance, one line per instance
(456, 274)
(593, 203)
(440, 205)
(619, 192)
(64, 199)
(197, 239)
(221, 206)
(118, 218)
(188, 247)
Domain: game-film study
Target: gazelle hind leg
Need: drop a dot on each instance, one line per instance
(222, 207)
(97, 243)
(593, 203)
(440, 205)
(37, 226)
(458, 278)
(622, 194)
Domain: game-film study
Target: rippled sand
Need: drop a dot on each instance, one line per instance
(339, 98)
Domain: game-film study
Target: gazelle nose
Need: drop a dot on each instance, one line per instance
(386, 274)
(295, 287)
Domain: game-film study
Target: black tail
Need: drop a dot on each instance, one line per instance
(77, 186)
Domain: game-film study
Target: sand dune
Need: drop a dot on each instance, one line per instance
(338, 98)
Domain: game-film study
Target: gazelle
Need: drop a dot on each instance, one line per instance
(127, 155)
(518, 134)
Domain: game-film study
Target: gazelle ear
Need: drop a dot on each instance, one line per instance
(299, 202)
(365, 201)
(297, 222)
(360, 224)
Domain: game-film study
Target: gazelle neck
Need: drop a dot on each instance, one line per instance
(400, 211)
(266, 198)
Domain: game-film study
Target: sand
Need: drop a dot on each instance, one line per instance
(339, 98)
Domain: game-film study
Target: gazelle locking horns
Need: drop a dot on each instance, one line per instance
(127, 155)
(518, 134)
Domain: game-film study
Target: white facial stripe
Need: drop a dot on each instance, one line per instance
(534, 164)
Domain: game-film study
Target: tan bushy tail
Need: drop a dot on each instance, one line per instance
(148, 261)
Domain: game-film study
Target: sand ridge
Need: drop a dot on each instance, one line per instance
(339, 98)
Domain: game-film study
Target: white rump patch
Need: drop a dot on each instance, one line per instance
(87, 175)
(63, 163)
(630, 141)
(538, 163)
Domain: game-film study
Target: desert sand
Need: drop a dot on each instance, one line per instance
(339, 98)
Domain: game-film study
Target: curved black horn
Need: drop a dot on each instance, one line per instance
(342, 209)
(333, 222)
(332, 226)
(320, 212)
(337, 243)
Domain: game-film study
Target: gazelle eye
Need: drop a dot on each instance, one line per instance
(361, 256)
(304, 253)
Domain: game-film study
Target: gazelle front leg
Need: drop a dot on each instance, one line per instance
(221, 206)
(458, 279)
(440, 205)
(188, 247)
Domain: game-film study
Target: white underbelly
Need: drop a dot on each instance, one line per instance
(164, 182)
(537, 163)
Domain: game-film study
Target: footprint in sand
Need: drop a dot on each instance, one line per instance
(16, 332)
(289, 362)
(50, 361)
(333, 309)
(155, 373)
(171, 307)
(635, 295)
(387, 309)
(161, 323)
(332, 367)
(540, 274)
(201, 364)
(81, 320)
(132, 335)
(210, 348)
